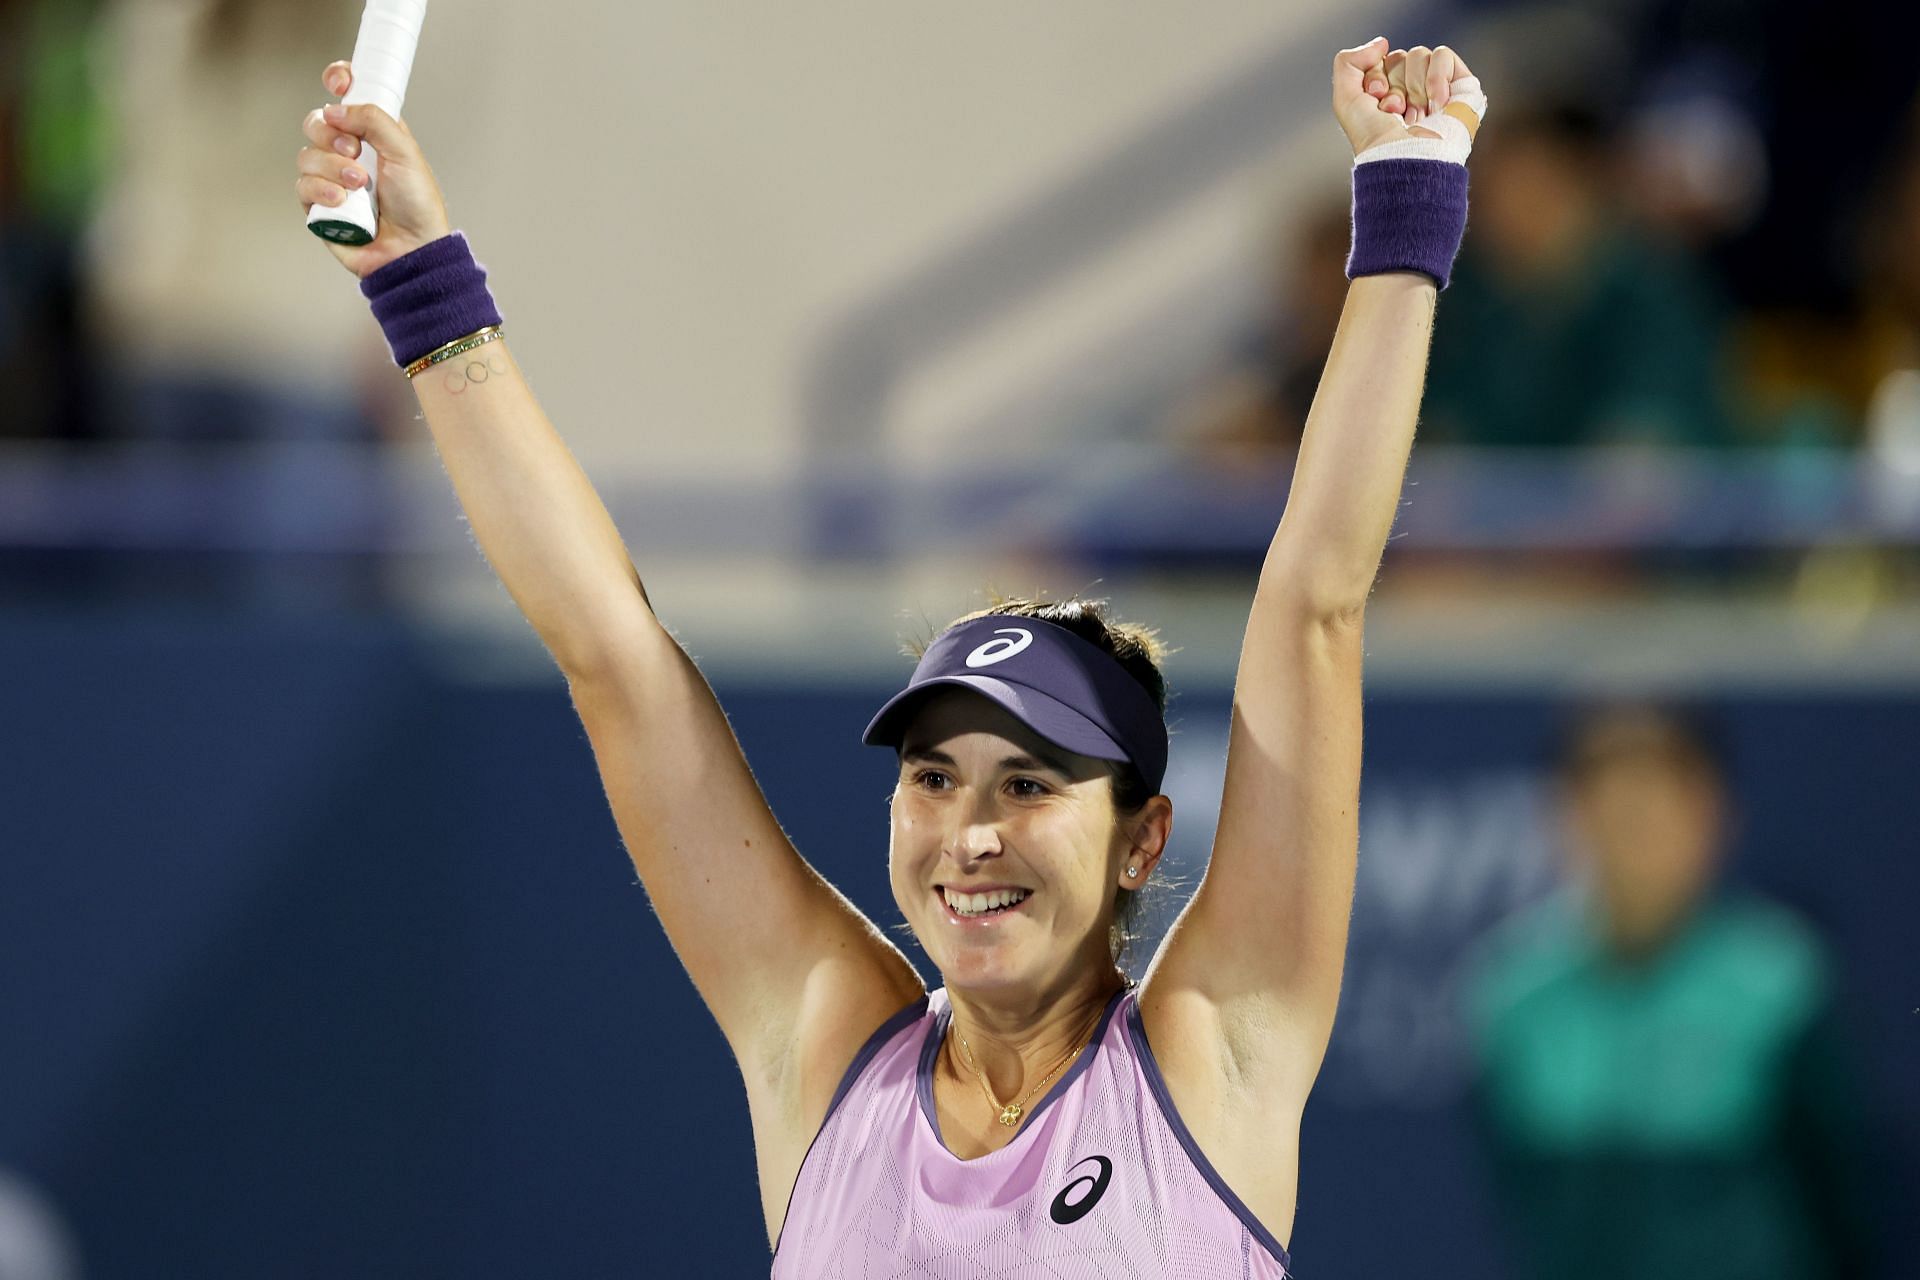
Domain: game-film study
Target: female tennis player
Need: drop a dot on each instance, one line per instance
(1040, 1114)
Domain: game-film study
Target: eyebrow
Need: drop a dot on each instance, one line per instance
(1034, 761)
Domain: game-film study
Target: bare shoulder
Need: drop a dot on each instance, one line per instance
(792, 1082)
(1229, 1077)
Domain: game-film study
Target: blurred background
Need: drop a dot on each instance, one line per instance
(319, 954)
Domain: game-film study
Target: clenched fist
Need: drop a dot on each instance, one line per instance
(1382, 95)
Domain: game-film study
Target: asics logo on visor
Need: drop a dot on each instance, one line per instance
(999, 650)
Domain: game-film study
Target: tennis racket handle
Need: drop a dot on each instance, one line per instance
(383, 53)
(382, 65)
(358, 212)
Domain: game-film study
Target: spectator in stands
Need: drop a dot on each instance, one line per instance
(52, 158)
(1889, 297)
(211, 332)
(1662, 1086)
(1255, 402)
(1712, 137)
(1565, 326)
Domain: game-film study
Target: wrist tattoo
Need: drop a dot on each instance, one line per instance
(473, 372)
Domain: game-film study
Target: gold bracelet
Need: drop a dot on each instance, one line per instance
(458, 346)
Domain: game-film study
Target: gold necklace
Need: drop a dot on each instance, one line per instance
(1010, 1113)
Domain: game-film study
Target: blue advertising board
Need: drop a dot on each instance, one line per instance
(319, 962)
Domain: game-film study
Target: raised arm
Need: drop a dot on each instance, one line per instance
(1257, 955)
(789, 968)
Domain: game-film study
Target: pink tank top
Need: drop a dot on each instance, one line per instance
(1103, 1178)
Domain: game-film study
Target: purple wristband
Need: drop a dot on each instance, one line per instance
(1408, 215)
(430, 297)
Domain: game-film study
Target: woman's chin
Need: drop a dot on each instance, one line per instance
(975, 966)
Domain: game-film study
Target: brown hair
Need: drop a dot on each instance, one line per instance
(1683, 735)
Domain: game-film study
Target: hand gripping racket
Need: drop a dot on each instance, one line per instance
(382, 61)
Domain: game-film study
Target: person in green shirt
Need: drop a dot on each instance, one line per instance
(1566, 325)
(54, 152)
(1662, 1087)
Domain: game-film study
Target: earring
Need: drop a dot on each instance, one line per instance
(1133, 871)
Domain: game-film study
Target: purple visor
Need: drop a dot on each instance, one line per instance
(1067, 690)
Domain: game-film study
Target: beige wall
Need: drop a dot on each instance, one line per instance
(673, 198)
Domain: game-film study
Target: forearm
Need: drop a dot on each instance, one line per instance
(536, 516)
(1353, 453)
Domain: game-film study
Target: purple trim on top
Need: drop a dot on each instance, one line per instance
(888, 1030)
(875, 1042)
(1137, 1035)
(923, 1074)
(1085, 1060)
(923, 1078)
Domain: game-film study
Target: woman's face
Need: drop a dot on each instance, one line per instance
(984, 803)
(1651, 831)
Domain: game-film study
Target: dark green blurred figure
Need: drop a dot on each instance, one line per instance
(1565, 325)
(1663, 1089)
(54, 150)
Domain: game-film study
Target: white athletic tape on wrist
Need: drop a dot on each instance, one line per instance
(1454, 143)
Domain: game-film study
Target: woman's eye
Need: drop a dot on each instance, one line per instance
(932, 779)
(1027, 788)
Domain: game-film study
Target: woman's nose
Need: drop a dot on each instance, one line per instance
(976, 840)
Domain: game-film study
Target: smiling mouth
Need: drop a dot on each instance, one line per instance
(969, 907)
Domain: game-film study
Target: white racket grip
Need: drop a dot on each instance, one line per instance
(382, 65)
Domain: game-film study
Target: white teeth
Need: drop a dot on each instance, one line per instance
(973, 904)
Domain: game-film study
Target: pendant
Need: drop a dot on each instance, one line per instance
(1010, 1114)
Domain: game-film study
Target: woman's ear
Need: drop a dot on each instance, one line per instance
(1147, 833)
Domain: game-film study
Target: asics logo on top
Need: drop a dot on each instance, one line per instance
(999, 650)
(1067, 1214)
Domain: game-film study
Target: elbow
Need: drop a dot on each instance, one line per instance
(1318, 589)
(604, 630)
(634, 644)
